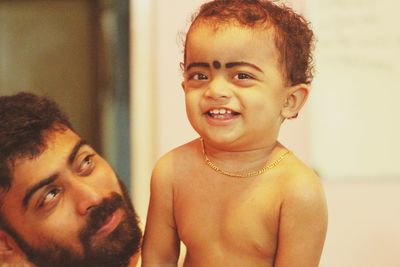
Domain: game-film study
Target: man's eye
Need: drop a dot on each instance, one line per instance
(242, 76)
(49, 196)
(86, 165)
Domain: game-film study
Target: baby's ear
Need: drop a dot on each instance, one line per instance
(295, 99)
(182, 66)
(10, 253)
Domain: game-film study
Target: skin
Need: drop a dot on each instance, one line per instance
(57, 211)
(278, 218)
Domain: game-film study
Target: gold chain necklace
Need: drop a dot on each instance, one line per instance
(246, 175)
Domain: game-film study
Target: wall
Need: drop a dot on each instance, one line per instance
(356, 88)
(364, 223)
(49, 51)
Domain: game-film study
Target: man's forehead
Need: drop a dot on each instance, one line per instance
(53, 141)
(55, 153)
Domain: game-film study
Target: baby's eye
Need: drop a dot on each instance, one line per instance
(242, 76)
(199, 76)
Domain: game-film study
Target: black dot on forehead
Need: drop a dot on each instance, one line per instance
(216, 64)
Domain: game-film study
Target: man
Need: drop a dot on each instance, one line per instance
(61, 204)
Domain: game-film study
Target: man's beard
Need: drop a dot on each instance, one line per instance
(114, 250)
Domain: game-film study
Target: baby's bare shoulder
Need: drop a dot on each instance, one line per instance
(300, 182)
(303, 217)
(177, 161)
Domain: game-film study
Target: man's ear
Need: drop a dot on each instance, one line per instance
(295, 99)
(6, 247)
(10, 253)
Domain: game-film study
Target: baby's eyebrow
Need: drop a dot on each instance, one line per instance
(227, 65)
(242, 63)
(197, 64)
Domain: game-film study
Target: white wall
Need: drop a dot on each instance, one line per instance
(364, 219)
(364, 206)
(356, 88)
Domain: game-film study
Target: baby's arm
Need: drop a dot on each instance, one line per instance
(303, 224)
(161, 241)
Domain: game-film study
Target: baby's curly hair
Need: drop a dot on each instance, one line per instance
(294, 38)
(24, 120)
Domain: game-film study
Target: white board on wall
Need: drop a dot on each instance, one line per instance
(355, 103)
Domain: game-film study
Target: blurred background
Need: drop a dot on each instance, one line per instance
(113, 65)
(76, 52)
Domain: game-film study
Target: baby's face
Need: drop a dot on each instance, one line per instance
(234, 86)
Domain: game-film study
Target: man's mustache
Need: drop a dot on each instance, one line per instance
(99, 215)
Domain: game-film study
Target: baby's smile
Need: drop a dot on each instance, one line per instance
(222, 113)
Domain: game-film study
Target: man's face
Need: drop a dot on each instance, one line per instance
(67, 207)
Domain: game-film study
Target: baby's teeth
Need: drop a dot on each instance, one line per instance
(220, 111)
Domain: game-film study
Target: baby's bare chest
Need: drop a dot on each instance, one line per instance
(229, 215)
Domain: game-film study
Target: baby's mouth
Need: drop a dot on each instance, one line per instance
(222, 113)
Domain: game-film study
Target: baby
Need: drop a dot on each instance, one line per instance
(236, 196)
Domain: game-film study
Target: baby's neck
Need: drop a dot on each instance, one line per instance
(242, 160)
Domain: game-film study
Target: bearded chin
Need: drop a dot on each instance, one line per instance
(116, 249)
(113, 251)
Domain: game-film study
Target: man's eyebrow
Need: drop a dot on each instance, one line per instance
(241, 63)
(29, 193)
(197, 64)
(75, 150)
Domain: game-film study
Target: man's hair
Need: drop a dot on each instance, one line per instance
(294, 39)
(24, 119)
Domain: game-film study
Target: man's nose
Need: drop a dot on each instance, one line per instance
(219, 88)
(86, 195)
